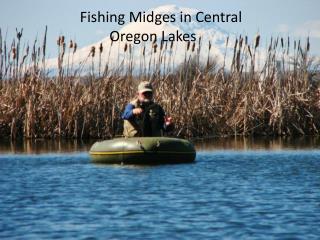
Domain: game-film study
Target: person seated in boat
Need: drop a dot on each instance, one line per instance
(143, 117)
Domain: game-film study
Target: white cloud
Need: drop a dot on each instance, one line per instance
(283, 28)
(306, 29)
(310, 28)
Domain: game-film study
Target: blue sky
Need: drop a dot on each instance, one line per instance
(272, 17)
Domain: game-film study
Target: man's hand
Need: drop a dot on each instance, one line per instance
(168, 121)
(169, 125)
(137, 111)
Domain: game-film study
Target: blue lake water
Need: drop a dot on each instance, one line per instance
(228, 193)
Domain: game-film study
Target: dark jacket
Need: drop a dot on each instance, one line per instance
(149, 123)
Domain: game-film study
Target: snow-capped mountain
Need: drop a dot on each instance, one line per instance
(115, 53)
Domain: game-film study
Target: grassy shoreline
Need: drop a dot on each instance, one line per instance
(204, 99)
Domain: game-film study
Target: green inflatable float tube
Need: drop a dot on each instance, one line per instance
(143, 150)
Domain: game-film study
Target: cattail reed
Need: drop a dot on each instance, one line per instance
(188, 45)
(257, 41)
(204, 98)
(93, 51)
(155, 46)
(100, 52)
(14, 53)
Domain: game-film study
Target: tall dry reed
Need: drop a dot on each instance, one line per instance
(279, 98)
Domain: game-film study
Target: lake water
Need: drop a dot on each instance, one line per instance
(236, 189)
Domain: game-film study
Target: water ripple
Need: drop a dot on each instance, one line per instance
(225, 194)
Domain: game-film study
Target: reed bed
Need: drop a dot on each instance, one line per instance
(279, 98)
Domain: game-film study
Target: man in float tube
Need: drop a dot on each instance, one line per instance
(143, 117)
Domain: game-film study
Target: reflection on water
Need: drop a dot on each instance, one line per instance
(261, 143)
(224, 195)
(232, 143)
(44, 146)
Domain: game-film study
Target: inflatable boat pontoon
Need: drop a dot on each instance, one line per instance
(143, 150)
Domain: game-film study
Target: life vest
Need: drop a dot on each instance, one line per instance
(148, 124)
